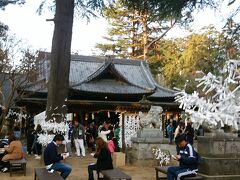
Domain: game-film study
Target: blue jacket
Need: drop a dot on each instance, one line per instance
(189, 157)
(51, 155)
(170, 128)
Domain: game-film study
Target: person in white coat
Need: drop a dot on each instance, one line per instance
(104, 131)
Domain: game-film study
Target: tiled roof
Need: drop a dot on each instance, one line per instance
(91, 74)
(39, 86)
(82, 69)
(162, 92)
(110, 86)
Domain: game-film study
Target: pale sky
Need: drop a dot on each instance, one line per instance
(37, 32)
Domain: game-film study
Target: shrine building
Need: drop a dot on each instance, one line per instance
(102, 88)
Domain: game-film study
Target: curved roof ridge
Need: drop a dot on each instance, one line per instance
(120, 74)
(94, 74)
(165, 89)
(109, 64)
(150, 79)
(133, 84)
(106, 64)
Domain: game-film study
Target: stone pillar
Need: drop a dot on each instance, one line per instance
(141, 152)
(220, 157)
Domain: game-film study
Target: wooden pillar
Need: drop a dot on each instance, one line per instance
(163, 124)
(123, 134)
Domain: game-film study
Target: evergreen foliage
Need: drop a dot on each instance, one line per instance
(4, 3)
(173, 8)
(133, 33)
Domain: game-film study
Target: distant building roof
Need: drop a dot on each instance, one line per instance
(8, 84)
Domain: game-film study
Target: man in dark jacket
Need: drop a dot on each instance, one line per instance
(79, 137)
(189, 132)
(52, 158)
(188, 159)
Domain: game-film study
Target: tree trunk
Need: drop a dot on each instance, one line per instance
(133, 39)
(145, 37)
(60, 60)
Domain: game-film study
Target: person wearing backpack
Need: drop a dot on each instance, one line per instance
(188, 160)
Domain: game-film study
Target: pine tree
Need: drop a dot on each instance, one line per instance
(134, 33)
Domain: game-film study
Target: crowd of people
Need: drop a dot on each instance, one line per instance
(52, 158)
(174, 128)
(104, 145)
(102, 140)
(79, 137)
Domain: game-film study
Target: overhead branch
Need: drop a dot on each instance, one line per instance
(160, 37)
(50, 19)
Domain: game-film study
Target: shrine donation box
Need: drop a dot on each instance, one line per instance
(118, 159)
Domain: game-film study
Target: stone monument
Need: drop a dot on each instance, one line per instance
(149, 136)
(151, 124)
(220, 154)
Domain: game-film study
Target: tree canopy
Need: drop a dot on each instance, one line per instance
(133, 33)
(173, 8)
(206, 52)
(4, 3)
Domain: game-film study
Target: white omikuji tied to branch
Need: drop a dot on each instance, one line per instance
(220, 104)
(51, 128)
